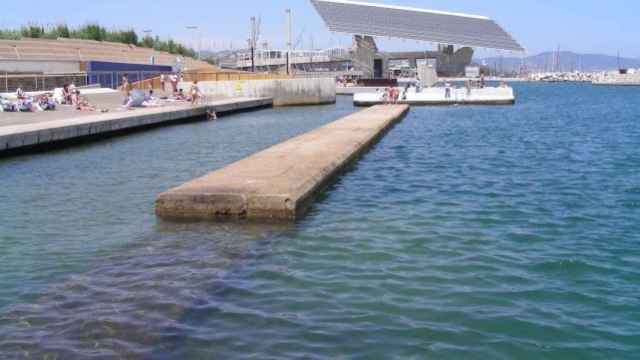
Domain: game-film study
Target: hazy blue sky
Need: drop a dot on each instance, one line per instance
(590, 26)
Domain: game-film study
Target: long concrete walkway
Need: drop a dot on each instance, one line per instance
(40, 134)
(280, 183)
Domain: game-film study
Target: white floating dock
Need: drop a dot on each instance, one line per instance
(438, 96)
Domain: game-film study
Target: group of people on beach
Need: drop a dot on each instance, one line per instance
(46, 101)
(27, 103)
(68, 95)
(195, 94)
(149, 99)
(71, 96)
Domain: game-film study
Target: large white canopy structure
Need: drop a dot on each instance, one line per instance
(361, 18)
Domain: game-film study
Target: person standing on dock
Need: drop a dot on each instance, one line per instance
(174, 83)
(196, 94)
(126, 88)
(163, 82)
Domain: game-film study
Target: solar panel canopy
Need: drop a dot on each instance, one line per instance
(361, 18)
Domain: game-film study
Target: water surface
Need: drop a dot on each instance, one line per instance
(467, 232)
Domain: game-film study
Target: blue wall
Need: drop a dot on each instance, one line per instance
(109, 74)
(111, 66)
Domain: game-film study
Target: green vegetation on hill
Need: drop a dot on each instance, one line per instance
(98, 33)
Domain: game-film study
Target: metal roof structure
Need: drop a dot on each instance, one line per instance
(361, 18)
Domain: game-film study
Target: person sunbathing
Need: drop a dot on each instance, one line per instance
(7, 105)
(46, 103)
(180, 95)
(25, 104)
(82, 104)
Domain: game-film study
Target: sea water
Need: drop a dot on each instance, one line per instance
(467, 232)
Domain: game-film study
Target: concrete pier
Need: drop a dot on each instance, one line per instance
(280, 183)
(37, 135)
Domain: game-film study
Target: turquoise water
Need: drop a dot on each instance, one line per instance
(467, 232)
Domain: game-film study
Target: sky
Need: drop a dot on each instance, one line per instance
(584, 26)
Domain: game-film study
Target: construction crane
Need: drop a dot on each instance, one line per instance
(299, 40)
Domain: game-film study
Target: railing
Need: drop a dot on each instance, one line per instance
(211, 76)
(231, 76)
(40, 82)
(190, 76)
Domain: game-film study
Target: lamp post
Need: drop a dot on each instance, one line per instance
(289, 32)
(153, 47)
(199, 36)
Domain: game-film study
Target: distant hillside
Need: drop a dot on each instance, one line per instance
(568, 61)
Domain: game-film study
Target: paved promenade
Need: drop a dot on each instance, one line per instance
(23, 131)
(280, 183)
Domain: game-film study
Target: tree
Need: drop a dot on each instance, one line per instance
(62, 31)
(92, 32)
(32, 31)
(147, 42)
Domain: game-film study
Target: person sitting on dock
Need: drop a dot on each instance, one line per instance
(66, 95)
(84, 105)
(46, 103)
(180, 95)
(8, 106)
(20, 94)
(25, 104)
(75, 97)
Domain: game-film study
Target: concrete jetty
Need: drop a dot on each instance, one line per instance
(279, 183)
(41, 134)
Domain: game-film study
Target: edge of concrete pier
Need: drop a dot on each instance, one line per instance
(281, 182)
(40, 136)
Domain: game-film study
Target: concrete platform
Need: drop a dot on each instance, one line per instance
(437, 96)
(351, 90)
(280, 183)
(38, 135)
